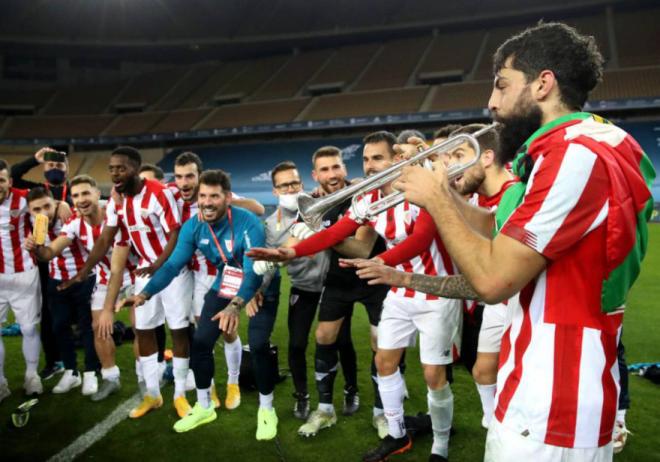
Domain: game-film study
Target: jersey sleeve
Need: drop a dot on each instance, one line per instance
(181, 255)
(70, 228)
(328, 237)
(254, 236)
(419, 240)
(168, 211)
(111, 217)
(566, 198)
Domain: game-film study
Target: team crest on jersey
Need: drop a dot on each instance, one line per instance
(229, 245)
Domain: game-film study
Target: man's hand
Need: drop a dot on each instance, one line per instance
(39, 155)
(81, 276)
(229, 317)
(64, 211)
(147, 271)
(30, 244)
(422, 186)
(358, 262)
(106, 328)
(280, 254)
(132, 302)
(253, 305)
(378, 273)
(301, 231)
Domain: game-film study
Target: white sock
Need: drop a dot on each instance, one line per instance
(441, 408)
(31, 349)
(2, 361)
(111, 373)
(621, 415)
(487, 395)
(204, 397)
(233, 354)
(138, 370)
(180, 371)
(391, 393)
(327, 408)
(150, 371)
(266, 401)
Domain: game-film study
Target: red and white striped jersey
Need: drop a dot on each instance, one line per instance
(14, 228)
(491, 202)
(395, 225)
(198, 263)
(558, 378)
(87, 234)
(67, 264)
(149, 217)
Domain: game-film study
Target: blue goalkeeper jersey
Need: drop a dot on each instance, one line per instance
(235, 236)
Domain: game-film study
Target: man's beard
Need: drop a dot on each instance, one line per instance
(470, 184)
(518, 127)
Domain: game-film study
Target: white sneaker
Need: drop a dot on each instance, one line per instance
(32, 385)
(619, 436)
(90, 383)
(67, 382)
(4, 390)
(190, 381)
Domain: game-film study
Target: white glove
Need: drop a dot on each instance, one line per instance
(261, 267)
(301, 231)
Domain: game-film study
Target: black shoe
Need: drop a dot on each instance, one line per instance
(301, 406)
(418, 425)
(388, 447)
(437, 458)
(49, 371)
(351, 401)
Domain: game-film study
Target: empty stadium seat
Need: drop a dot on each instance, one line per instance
(638, 36)
(465, 95)
(134, 124)
(193, 80)
(345, 65)
(179, 121)
(148, 88)
(253, 76)
(451, 52)
(628, 83)
(87, 99)
(219, 77)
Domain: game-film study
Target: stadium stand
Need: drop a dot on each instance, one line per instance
(27, 99)
(468, 95)
(148, 88)
(394, 65)
(195, 78)
(628, 83)
(129, 124)
(451, 54)
(638, 36)
(255, 74)
(56, 126)
(177, 121)
(236, 115)
(344, 66)
(290, 78)
(400, 100)
(220, 76)
(87, 99)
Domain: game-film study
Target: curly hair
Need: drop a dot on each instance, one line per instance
(573, 58)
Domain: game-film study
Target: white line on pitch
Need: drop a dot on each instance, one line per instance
(84, 441)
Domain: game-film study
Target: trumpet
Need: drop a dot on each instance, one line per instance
(313, 209)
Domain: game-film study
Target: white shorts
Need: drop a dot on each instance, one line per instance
(202, 284)
(22, 292)
(492, 329)
(437, 322)
(504, 444)
(100, 292)
(172, 304)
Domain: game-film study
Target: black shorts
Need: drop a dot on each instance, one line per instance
(337, 302)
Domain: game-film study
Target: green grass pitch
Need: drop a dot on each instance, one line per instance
(59, 419)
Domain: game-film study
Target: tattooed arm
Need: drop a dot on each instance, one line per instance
(442, 286)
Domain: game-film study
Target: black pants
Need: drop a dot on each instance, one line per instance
(259, 329)
(73, 306)
(302, 310)
(48, 342)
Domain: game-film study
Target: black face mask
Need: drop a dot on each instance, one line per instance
(517, 128)
(55, 176)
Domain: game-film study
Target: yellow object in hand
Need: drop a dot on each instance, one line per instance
(40, 229)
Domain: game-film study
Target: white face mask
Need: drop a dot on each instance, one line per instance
(289, 202)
